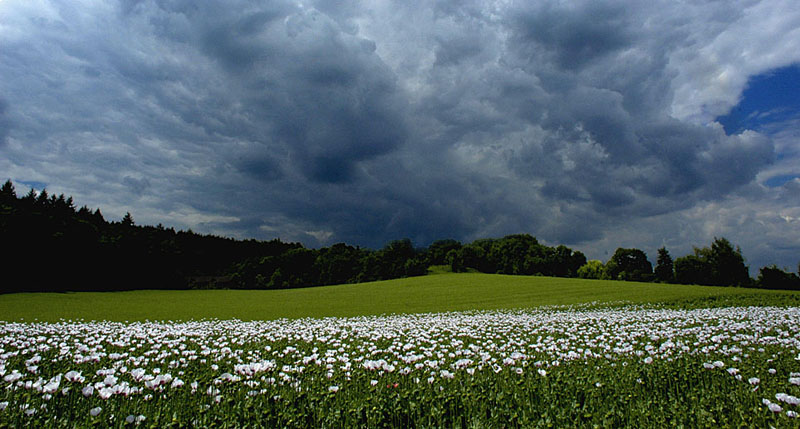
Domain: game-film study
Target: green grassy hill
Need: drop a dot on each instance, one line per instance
(432, 293)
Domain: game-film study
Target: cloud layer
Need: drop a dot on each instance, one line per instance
(585, 123)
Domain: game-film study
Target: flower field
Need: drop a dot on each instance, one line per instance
(550, 367)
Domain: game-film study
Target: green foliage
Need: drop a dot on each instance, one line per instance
(693, 269)
(728, 267)
(630, 265)
(665, 269)
(773, 277)
(438, 251)
(592, 269)
(83, 251)
(718, 265)
(519, 254)
(77, 249)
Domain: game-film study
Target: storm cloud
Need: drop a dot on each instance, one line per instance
(586, 123)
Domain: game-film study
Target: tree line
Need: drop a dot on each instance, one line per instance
(59, 247)
(720, 264)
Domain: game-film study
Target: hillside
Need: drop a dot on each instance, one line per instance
(432, 293)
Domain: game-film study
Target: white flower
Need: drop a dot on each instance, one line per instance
(95, 411)
(648, 360)
(105, 393)
(373, 382)
(74, 376)
(542, 372)
(775, 408)
(88, 390)
(794, 380)
(789, 399)
(138, 374)
(333, 389)
(3, 405)
(13, 377)
(51, 387)
(753, 380)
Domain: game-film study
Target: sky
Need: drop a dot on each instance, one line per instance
(595, 124)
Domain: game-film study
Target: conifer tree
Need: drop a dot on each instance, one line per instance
(665, 270)
(7, 192)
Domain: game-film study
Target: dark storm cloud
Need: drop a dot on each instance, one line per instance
(573, 35)
(344, 121)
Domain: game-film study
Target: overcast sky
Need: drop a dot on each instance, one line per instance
(595, 124)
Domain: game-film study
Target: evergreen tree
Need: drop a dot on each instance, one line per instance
(42, 200)
(665, 270)
(30, 197)
(127, 220)
(7, 193)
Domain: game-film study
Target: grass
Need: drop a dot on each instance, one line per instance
(624, 367)
(433, 293)
(615, 367)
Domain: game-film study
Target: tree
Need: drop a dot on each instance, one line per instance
(665, 270)
(43, 198)
(7, 193)
(693, 269)
(630, 265)
(718, 265)
(469, 256)
(438, 250)
(338, 264)
(393, 261)
(592, 269)
(127, 220)
(773, 277)
(727, 264)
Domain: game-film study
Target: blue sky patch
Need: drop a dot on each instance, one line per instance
(30, 184)
(780, 180)
(769, 97)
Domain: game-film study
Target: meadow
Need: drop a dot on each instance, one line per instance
(438, 292)
(495, 351)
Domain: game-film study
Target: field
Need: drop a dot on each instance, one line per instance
(471, 351)
(433, 293)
